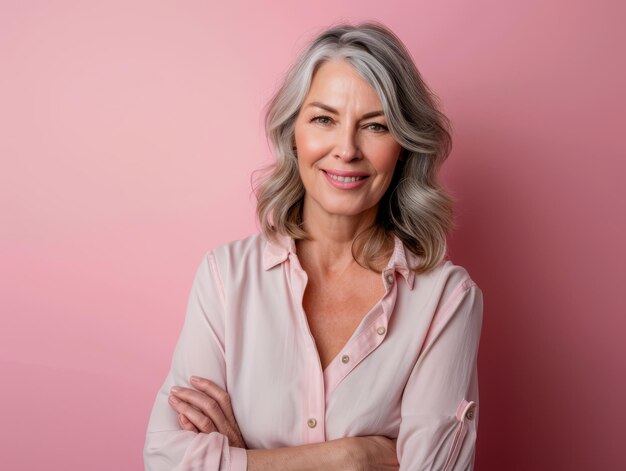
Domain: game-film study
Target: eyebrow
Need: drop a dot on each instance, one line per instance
(371, 114)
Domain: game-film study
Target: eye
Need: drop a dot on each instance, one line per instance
(323, 120)
(377, 127)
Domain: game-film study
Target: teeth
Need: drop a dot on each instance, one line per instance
(345, 179)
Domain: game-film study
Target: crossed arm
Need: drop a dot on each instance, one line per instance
(206, 408)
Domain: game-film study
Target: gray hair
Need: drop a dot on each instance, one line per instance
(415, 207)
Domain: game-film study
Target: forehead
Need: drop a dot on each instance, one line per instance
(338, 80)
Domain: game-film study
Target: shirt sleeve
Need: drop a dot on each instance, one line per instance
(199, 351)
(439, 411)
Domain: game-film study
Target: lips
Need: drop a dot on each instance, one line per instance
(339, 178)
(345, 173)
(345, 180)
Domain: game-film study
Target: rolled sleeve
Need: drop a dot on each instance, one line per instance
(439, 411)
(199, 351)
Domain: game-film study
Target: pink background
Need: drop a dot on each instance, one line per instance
(128, 132)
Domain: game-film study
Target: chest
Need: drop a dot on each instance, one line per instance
(335, 309)
(272, 371)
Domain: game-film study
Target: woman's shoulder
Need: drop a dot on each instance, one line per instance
(454, 273)
(239, 255)
(246, 245)
(446, 278)
(445, 292)
(445, 273)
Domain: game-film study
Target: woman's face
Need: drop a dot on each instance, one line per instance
(346, 154)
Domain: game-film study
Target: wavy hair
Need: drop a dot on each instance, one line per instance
(415, 207)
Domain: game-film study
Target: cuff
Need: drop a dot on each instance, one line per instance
(238, 459)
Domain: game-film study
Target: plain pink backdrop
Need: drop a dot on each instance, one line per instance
(128, 133)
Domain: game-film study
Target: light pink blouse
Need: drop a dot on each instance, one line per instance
(408, 371)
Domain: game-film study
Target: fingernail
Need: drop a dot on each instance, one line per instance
(175, 389)
(195, 379)
(183, 419)
(174, 400)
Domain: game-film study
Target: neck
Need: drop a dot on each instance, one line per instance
(329, 249)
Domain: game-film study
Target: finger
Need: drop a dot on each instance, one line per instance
(230, 428)
(218, 394)
(197, 418)
(207, 404)
(185, 424)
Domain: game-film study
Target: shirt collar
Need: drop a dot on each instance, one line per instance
(401, 260)
(277, 251)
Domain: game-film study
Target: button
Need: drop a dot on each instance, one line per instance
(469, 415)
(312, 423)
(390, 278)
(345, 359)
(381, 330)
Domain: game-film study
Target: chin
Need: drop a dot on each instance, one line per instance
(344, 210)
(332, 205)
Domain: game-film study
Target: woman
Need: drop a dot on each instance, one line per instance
(339, 337)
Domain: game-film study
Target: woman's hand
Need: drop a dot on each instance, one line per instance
(206, 409)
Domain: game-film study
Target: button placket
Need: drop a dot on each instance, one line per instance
(316, 403)
(314, 429)
(358, 349)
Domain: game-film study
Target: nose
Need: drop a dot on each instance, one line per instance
(346, 146)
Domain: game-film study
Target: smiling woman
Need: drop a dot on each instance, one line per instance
(340, 337)
(347, 159)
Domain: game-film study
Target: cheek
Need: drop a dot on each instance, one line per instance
(311, 142)
(386, 160)
(311, 146)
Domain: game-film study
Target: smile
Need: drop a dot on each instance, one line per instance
(345, 182)
(345, 179)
